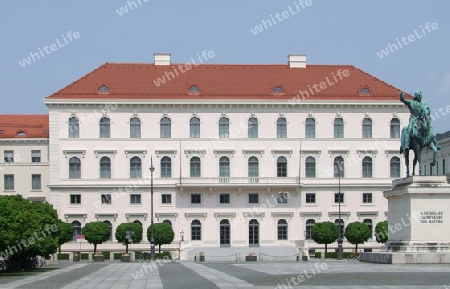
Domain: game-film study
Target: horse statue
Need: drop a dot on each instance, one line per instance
(419, 132)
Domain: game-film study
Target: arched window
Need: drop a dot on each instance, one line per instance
(252, 127)
(74, 127)
(224, 169)
(367, 167)
(76, 230)
(196, 230)
(339, 167)
(105, 127)
(74, 168)
(281, 167)
(367, 128)
(341, 225)
(165, 126)
(194, 127)
(103, 89)
(138, 222)
(105, 168)
(135, 168)
(338, 128)
(195, 167)
(310, 167)
(135, 127)
(110, 229)
(166, 167)
(224, 233)
(277, 90)
(253, 169)
(310, 128)
(369, 223)
(193, 89)
(168, 222)
(395, 167)
(281, 127)
(253, 233)
(282, 227)
(364, 90)
(224, 127)
(309, 224)
(395, 128)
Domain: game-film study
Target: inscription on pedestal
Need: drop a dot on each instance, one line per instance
(431, 217)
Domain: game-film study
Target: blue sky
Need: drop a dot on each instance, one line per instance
(328, 32)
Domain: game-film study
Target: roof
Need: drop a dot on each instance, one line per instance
(142, 81)
(441, 136)
(24, 126)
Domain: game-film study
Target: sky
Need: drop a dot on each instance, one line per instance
(87, 33)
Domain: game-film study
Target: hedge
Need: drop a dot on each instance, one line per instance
(333, 255)
(63, 256)
(117, 256)
(84, 256)
(157, 255)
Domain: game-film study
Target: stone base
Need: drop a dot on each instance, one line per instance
(418, 246)
(405, 258)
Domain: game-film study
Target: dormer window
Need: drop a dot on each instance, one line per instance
(2, 131)
(21, 133)
(364, 90)
(277, 90)
(193, 89)
(103, 89)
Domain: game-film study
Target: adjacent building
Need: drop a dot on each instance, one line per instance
(442, 166)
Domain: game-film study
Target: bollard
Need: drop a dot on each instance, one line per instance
(322, 256)
(195, 258)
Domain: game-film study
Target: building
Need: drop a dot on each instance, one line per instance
(244, 155)
(443, 157)
(24, 163)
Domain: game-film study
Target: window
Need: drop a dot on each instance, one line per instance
(166, 167)
(339, 167)
(252, 127)
(364, 90)
(103, 89)
(277, 89)
(196, 199)
(135, 168)
(367, 167)
(135, 127)
(9, 156)
(281, 127)
(196, 230)
(110, 229)
(224, 231)
(74, 128)
(9, 182)
(105, 127)
(253, 198)
(21, 133)
(367, 198)
(367, 128)
(224, 169)
(224, 198)
(165, 126)
(36, 182)
(135, 199)
(105, 168)
(75, 199)
(35, 156)
(282, 198)
(282, 229)
(309, 225)
(338, 198)
(310, 198)
(310, 167)
(369, 224)
(281, 167)
(194, 127)
(224, 127)
(395, 167)
(340, 223)
(310, 128)
(195, 167)
(253, 233)
(193, 89)
(253, 169)
(76, 230)
(443, 167)
(74, 168)
(106, 199)
(166, 199)
(395, 128)
(168, 222)
(338, 128)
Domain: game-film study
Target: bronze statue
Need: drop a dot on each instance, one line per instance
(419, 132)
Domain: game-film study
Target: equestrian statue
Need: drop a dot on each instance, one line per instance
(419, 132)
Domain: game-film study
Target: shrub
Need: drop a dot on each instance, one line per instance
(84, 256)
(63, 256)
(117, 256)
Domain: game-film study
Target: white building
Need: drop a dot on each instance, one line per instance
(24, 164)
(443, 157)
(244, 155)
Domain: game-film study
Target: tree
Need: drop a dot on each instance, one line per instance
(135, 236)
(65, 233)
(163, 234)
(381, 232)
(357, 233)
(96, 233)
(324, 233)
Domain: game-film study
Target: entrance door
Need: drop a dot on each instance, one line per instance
(224, 233)
(253, 233)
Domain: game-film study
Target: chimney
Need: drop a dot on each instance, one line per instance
(297, 61)
(162, 58)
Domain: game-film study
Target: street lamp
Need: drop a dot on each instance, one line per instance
(340, 168)
(152, 237)
(182, 235)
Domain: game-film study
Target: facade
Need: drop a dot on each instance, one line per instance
(244, 155)
(443, 157)
(24, 149)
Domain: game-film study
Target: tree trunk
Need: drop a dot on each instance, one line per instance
(95, 248)
(356, 248)
(326, 248)
(159, 248)
(126, 248)
(59, 249)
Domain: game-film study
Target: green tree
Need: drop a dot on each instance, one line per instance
(135, 236)
(357, 233)
(324, 233)
(163, 234)
(96, 233)
(381, 232)
(65, 233)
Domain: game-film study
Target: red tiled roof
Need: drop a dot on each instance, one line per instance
(24, 125)
(226, 82)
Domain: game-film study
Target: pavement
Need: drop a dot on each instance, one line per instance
(316, 274)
